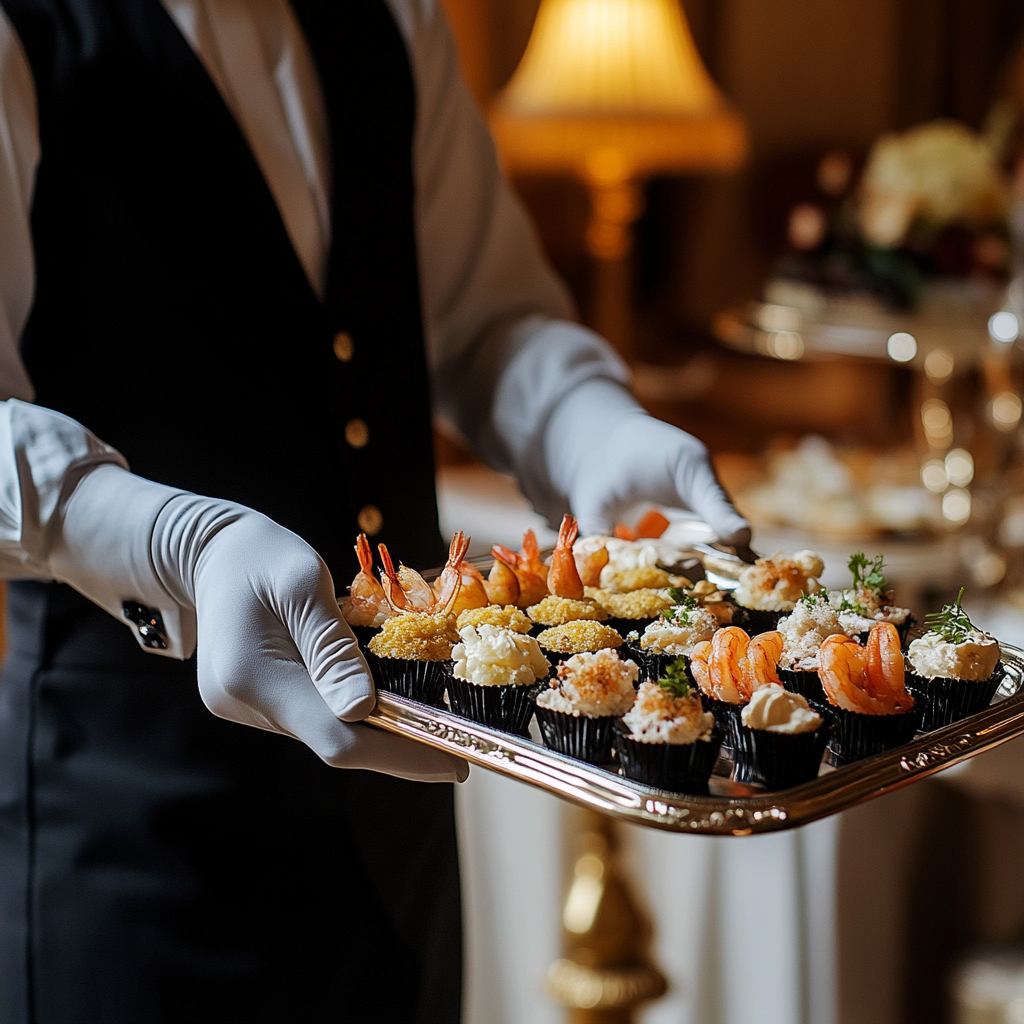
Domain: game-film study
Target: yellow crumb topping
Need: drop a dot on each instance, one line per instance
(579, 636)
(416, 637)
(638, 604)
(557, 611)
(643, 577)
(505, 616)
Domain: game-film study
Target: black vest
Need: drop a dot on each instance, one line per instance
(172, 316)
(158, 864)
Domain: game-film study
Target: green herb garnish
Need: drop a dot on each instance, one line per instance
(675, 679)
(868, 573)
(952, 623)
(818, 597)
(683, 603)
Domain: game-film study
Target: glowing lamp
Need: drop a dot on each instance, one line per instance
(614, 91)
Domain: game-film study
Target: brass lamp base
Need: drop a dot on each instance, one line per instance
(608, 996)
(606, 972)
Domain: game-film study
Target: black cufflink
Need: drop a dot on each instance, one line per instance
(148, 622)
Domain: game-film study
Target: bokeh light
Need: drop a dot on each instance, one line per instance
(902, 347)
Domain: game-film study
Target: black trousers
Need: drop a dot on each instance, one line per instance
(158, 864)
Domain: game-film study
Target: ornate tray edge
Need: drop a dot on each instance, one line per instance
(833, 791)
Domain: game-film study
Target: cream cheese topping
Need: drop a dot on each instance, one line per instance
(594, 685)
(677, 635)
(777, 583)
(803, 632)
(660, 717)
(975, 659)
(775, 709)
(493, 656)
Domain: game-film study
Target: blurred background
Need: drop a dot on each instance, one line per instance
(802, 224)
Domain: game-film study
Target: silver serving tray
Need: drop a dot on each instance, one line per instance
(732, 808)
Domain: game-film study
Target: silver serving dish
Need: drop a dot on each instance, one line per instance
(732, 808)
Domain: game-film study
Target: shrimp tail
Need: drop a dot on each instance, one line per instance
(393, 593)
(364, 554)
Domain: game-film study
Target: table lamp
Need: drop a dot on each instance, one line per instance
(614, 91)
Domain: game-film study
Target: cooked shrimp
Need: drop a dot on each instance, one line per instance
(366, 604)
(502, 584)
(529, 557)
(407, 591)
(563, 576)
(864, 679)
(449, 583)
(700, 657)
(653, 525)
(731, 665)
(763, 660)
(728, 652)
(589, 565)
(472, 593)
(885, 671)
(393, 592)
(532, 589)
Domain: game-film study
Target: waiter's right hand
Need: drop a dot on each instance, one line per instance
(273, 649)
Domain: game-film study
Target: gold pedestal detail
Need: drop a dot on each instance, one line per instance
(606, 972)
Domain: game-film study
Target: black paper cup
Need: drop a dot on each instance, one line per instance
(779, 760)
(676, 767)
(555, 658)
(508, 708)
(726, 715)
(653, 663)
(756, 620)
(903, 628)
(944, 701)
(580, 736)
(808, 684)
(418, 680)
(623, 626)
(857, 735)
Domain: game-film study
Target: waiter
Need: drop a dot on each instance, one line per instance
(238, 243)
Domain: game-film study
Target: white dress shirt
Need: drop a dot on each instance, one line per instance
(500, 348)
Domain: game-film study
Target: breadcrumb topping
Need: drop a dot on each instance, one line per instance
(637, 604)
(505, 616)
(596, 685)
(643, 577)
(557, 611)
(416, 637)
(658, 716)
(776, 584)
(579, 636)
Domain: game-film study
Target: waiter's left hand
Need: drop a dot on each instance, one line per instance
(644, 459)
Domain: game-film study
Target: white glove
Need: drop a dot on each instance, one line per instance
(606, 454)
(273, 649)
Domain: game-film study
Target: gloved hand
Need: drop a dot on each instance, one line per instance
(608, 455)
(274, 651)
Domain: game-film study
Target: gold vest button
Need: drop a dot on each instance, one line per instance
(357, 433)
(370, 520)
(343, 347)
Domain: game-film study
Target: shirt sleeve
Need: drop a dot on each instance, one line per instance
(43, 455)
(503, 350)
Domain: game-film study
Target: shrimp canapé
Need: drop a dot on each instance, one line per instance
(563, 576)
(590, 563)
(532, 588)
(731, 665)
(472, 593)
(366, 604)
(868, 679)
(407, 591)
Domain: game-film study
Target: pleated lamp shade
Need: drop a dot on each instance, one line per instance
(614, 87)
